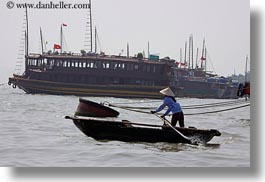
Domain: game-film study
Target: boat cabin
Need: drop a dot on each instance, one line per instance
(98, 70)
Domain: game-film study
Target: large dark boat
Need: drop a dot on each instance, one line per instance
(93, 76)
(96, 74)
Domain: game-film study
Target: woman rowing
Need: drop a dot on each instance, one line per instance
(173, 106)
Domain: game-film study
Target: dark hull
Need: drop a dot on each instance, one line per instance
(200, 89)
(91, 109)
(188, 89)
(130, 132)
(31, 86)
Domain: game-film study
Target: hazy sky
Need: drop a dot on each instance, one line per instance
(166, 24)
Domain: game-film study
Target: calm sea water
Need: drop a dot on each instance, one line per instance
(34, 133)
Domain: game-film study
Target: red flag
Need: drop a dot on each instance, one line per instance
(56, 46)
(203, 59)
(65, 25)
(183, 64)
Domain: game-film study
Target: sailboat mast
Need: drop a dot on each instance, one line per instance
(192, 53)
(203, 52)
(197, 57)
(180, 56)
(246, 71)
(189, 51)
(41, 39)
(205, 58)
(27, 33)
(61, 38)
(96, 39)
(148, 50)
(128, 50)
(90, 15)
(185, 56)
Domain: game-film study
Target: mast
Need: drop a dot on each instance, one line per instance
(27, 33)
(88, 41)
(96, 39)
(191, 47)
(26, 44)
(61, 38)
(197, 57)
(26, 40)
(41, 39)
(90, 15)
(246, 71)
(180, 56)
(148, 50)
(205, 58)
(185, 56)
(128, 51)
(203, 52)
(191, 52)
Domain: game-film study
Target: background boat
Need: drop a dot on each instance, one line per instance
(90, 73)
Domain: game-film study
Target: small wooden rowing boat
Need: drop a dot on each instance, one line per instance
(109, 129)
(92, 109)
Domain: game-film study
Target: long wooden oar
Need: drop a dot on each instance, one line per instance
(166, 121)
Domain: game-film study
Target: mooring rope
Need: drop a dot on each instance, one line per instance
(139, 102)
(218, 111)
(190, 114)
(215, 105)
(220, 104)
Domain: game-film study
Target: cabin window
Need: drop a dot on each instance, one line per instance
(128, 67)
(64, 64)
(117, 66)
(76, 64)
(131, 67)
(88, 64)
(148, 68)
(84, 64)
(45, 61)
(136, 66)
(39, 62)
(154, 69)
(106, 65)
(144, 68)
(51, 62)
(112, 65)
(91, 65)
(34, 62)
(98, 64)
